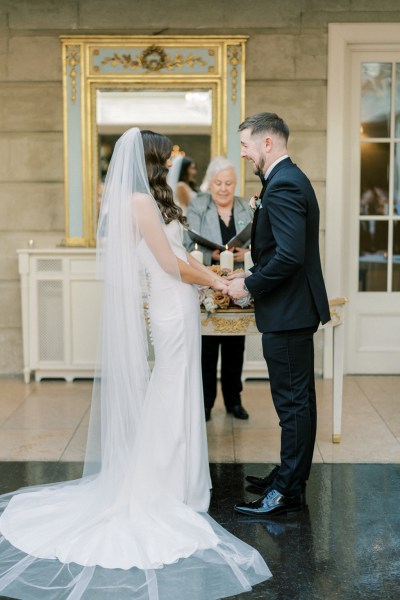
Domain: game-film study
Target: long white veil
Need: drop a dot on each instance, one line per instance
(128, 216)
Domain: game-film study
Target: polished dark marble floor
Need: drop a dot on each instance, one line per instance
(345, 545)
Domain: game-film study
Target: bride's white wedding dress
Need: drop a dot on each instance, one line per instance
(138, 528)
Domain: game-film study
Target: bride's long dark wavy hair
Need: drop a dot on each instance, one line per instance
(157, 150)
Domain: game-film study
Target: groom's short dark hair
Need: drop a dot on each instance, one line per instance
(266, 121)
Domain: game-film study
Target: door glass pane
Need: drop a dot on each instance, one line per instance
(397, 109)
(396, 256)
(376, 81)
(373, 256)
(374, 187)
(396, 192)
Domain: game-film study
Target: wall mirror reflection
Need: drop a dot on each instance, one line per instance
(184, 115)
(190, 88)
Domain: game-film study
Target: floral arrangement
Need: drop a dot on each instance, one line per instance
(254, 203)
(212, 300)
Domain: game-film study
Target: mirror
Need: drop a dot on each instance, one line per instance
(190, 89)
(185, 116)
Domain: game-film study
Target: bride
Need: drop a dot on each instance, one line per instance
(135, 526)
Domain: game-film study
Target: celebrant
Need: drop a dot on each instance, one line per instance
(218, 215)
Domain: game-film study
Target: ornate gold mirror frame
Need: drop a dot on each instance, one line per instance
(91, 63)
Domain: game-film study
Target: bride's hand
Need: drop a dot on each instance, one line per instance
(240, 274)
(219, 285)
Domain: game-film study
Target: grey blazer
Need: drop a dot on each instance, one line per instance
(202, 217)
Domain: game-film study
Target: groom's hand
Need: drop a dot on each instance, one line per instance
(236, 290)
(238, 275)
(219, 285)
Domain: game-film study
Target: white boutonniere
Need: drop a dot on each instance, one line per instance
(254, 203)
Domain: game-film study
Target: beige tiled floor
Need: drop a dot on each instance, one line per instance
(48, 421)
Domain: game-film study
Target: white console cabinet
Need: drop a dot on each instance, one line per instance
(61, 300)
(60, 312)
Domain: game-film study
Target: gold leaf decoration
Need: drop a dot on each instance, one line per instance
(234, 59)
(222, 325)
(73, 59)
(176, 151)
(154, 58)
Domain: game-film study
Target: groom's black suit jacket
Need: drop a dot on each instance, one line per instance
(286, 281)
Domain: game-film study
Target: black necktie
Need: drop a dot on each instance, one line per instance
(264, 185)
(253, 229)
(264, 182)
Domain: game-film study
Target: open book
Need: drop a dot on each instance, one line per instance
(237, 241)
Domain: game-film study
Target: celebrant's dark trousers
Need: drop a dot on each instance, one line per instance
(232, 351)
(290, 359)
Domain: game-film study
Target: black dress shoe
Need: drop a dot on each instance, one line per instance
(263, 483)
(238, 411)
(273, 503)
(207, 412)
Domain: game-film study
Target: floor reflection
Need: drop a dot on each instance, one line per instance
(344, 545)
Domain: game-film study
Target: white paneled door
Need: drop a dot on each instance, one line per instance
(363, 191)
(373, 269)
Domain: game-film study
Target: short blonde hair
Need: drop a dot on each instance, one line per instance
(219, 163)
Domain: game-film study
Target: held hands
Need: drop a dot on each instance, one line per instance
(238, 275)
(220, 285)
(236, 281)
(233, 285)
(235, 289)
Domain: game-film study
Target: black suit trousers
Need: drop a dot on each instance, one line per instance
(232, 351)
(290, 359)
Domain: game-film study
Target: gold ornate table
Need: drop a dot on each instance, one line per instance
(232, 321)
(239, 321)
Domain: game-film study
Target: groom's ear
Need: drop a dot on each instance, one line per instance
(267, 143)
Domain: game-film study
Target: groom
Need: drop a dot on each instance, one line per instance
(289, 300)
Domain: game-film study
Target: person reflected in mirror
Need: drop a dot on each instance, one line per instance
(217, 214)
(186, 188)
(182, 180)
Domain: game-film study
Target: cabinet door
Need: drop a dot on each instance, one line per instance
(47, 319)
(85, 320)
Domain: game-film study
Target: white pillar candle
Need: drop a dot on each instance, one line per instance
(226, 259)
(248, 263)
(197, 254)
